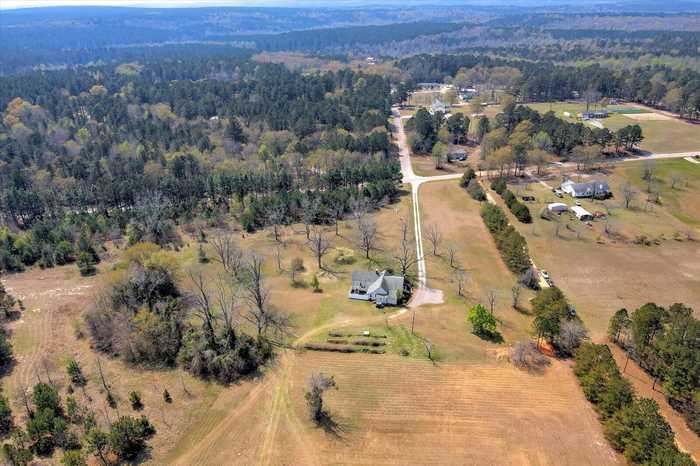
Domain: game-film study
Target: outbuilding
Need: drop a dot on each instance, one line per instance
(557, 207)
(581, 213)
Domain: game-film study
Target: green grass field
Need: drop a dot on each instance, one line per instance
(660, 136)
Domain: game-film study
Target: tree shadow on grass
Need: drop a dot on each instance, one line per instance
(333, 426)
(494, 337)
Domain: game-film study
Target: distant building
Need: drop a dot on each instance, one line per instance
(430, 86)
(557, 207)
(581, 213)
(376, 286)
(595, 189)
(438, 106)
(594, 115)
(457, 155)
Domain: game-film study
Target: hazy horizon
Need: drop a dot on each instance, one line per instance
(17, 4)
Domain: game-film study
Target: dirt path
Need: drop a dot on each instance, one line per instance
(686, 439)
(423, 294)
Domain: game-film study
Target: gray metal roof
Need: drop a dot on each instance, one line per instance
(374, 282)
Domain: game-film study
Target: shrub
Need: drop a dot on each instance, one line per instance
(135, 400)
(468, 176)
(499, 185)
(509, 198)
(86, 264)
(521, 212)
(476, 191)
(63, 254)
(483, 322)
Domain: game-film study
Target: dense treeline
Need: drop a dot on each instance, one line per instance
(89, 155)
(666, 343)
(675, 89)
(520, 210)
(510, 243)
(634, 427)
(319, 39)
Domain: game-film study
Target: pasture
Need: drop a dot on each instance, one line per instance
(603, 271)
(662, 134)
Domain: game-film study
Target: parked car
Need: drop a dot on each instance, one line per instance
(544, 274)
(528, 198)
(578, 203)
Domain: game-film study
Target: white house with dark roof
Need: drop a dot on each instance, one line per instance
(597, 189)
(376, 286)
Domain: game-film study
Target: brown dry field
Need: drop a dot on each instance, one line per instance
(600, 274)
(392, 410)
(456, 215)
(470, 407)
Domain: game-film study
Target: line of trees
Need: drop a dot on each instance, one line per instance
(510, 243)
(666, 343)
(520, 210)
(633, 426)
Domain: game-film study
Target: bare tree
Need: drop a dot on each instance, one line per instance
(228, 254)
(491, 298)
(317, 383)
(278, 258)
(460, 277)
(275, 218)
(310, 208)
(648, 171)
(526, 355)
(203, 307)
(23, 397)
(557, 225)
(676, 179)
(227, 299)
(434, 236)
(452, 255)
(368, 235)
(319, 245)
(359, 207)
(256, 294)
(406, 257)
(337, 211)
(515, 293)
(628, 194)
(428, 349)
(571, 335)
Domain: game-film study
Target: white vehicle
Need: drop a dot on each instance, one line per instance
(545, 274)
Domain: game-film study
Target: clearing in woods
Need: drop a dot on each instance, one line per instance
(470, 407)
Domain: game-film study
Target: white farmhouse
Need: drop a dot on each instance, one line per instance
(376, 286)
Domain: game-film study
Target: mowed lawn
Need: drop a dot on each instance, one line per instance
(660, 136)
(602, 273)
(403, 411)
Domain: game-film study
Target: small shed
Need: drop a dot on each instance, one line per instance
(581, 213)
(557, 207)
